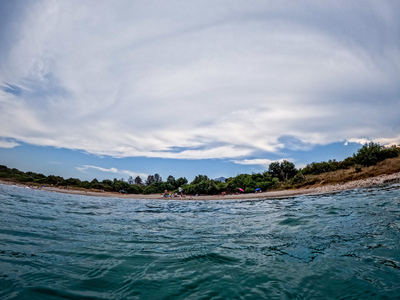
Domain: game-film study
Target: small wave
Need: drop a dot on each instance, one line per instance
(16, 254)
(294, 222)
(211, 257)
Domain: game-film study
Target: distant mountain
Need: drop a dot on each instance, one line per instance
(222, 179)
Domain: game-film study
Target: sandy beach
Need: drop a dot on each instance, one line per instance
(382, 179)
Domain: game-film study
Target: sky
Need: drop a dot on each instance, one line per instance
(112, 89)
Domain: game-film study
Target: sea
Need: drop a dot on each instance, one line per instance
(343, 245)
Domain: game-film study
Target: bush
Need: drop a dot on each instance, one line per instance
(299, 178)
(207, 186)
(24, 178)
(372, 153)
(199, 178)
(158, 187)
(266, 185)
(390, 152)
(368, 155)
(248, 190)
(135, 189)
(71, 182)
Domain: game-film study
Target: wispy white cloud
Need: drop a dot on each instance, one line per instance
(144, 79)
(358, 141)
(8, 144)
(383, 141)
(84, 168)
(259, 161)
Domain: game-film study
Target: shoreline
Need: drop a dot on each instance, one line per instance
(361, 183)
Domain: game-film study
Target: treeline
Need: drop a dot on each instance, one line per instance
(41, 179)
(278, 171)
(279, 174)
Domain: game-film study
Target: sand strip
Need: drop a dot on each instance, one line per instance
(382, 179)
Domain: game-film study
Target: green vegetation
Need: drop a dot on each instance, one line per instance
(280, 175)
(369, 155)
(372, 153)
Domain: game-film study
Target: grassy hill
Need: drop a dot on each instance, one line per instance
(386, 167)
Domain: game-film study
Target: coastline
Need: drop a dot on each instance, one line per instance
(361, 183)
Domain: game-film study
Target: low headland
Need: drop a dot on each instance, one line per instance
(386, 171)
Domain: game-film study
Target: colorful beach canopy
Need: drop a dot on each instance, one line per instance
(240, 189)
(257, 189)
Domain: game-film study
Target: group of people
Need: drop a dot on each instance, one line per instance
(173, 195)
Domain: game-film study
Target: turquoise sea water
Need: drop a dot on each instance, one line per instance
(334, 246)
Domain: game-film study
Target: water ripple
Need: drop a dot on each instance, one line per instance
(57, 246)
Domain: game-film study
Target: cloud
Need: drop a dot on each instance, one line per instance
(145, 79)
(259, 161)
(384, 141)
(358, 141)
(84, 168)
(8, 144)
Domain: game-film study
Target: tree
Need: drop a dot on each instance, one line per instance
(157, 187)
(130, 180)
(138, 180)
(71, 182)
(150, 179)
(120, 185)
(52, 179)
(181, 181)
(157, 177)
(368, 155)
(372, 153)
(289, 169)
(275, 169)
(283, 171)
(171, 180)
(199, 178)
(205, 186)
(107, 182)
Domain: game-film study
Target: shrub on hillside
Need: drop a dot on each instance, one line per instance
(372, 153)
(321, 167)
